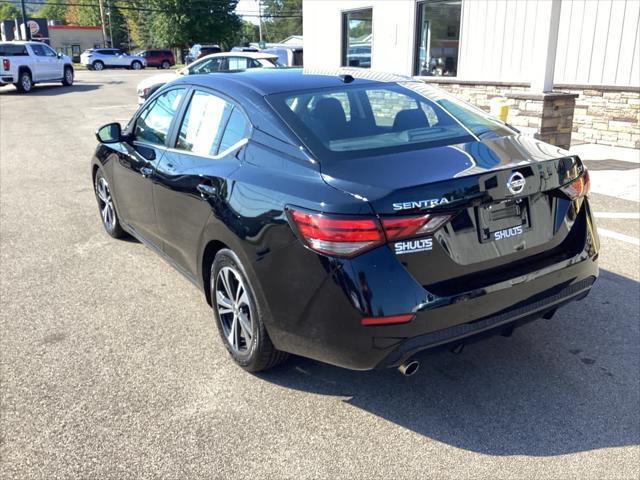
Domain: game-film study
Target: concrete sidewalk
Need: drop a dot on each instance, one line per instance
(614, 171)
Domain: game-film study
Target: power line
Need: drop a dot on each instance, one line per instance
(211, 5)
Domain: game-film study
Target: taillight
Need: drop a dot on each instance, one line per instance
(6, 64)
(337, 235)
(397, 228)
(347, 236)
(578, 187)
(405, 318)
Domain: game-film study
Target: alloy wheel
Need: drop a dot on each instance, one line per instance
(105, 203)
(234, 309)
(136, 65)
(98, 66)
(26, 82)
(68, 75)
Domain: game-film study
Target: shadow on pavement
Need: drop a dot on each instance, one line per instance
(51, 89)
(558, 386)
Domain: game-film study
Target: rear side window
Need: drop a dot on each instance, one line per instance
(8, 50)
(202, 125)
(237, 63)
(236, 130)
(152, 126)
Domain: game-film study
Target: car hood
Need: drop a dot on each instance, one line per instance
(159, 79)
(378, 176)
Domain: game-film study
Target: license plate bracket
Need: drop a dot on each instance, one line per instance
(501, 216)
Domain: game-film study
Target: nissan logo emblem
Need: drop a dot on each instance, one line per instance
(516, 183)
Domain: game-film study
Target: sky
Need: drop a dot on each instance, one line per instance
(250, 7)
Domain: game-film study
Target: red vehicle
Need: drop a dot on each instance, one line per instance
(159, 58)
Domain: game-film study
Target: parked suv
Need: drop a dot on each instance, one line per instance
(158, 58)
(199, 51)
(288, 55)
(26, 63)
(101, 58)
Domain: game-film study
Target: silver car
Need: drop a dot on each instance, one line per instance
(217, 62)
(101, 58)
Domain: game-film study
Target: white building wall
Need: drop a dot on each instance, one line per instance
(599, 43)
(599, 40)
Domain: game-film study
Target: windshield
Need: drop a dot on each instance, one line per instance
(355, 121)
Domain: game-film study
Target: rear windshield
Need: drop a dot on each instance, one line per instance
(8, 50)
(380, 118)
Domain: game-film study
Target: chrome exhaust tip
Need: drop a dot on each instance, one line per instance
(409, 368)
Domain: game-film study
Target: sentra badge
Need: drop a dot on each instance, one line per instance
(432, 202)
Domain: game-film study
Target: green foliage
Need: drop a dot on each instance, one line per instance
(290, 21)
(181, 23)
(52, 10)
(9, 12)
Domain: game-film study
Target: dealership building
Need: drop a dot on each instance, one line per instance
(568, 69)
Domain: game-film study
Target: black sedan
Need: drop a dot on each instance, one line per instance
(352, 218)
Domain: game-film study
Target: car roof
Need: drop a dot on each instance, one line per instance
(21, 42)
(267, 81)
(254, 55)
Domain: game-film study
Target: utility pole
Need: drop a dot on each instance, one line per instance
(104, 30)
(260, 18)
(27, 30)
(110, 24)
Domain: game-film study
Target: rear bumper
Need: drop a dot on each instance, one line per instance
(494, 324)
(7, 79)
(316, 310)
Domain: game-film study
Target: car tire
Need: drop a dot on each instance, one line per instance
(165, 64)
(239, 315)
(106, 207)
(25, 83)
(67, 78)
(98, 65)
(136, 65)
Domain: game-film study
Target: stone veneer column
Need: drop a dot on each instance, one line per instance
(549, 114)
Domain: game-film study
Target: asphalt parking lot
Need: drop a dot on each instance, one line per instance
(112, 367)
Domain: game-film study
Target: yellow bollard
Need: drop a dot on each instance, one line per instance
(499, 108)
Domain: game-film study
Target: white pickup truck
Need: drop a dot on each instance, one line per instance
(26, 63)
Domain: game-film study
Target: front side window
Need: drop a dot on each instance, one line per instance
(356, 121)
(202, 125)
(152, 126)
(38, 50)
(357, 38)
(438, 38)
(49, 52)
(206, 66)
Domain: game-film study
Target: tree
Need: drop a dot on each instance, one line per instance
(283, 19)
(52, 10)
(8, 11)
(181, 23)
(247, 33)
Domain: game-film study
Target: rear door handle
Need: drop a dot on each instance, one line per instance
(146, 171)
(206, 190)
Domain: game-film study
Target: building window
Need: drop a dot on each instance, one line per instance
(357, 37)
(438, 38)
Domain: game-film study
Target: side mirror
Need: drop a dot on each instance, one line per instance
(109, 133)
(59, 55)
